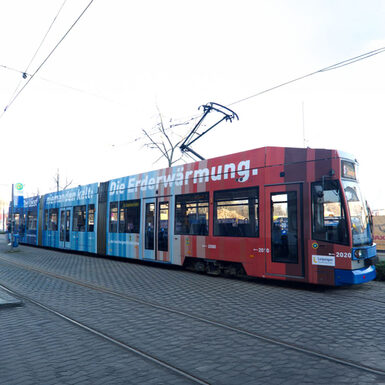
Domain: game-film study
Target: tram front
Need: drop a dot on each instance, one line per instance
(343, 249)
(363, 250)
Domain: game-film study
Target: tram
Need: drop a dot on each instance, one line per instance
(294, 214)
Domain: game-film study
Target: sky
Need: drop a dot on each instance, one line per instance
(125, 62)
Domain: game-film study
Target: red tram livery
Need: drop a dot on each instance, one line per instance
(281, 213)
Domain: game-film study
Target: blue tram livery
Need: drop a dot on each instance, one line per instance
(70, 218)
(26, 220)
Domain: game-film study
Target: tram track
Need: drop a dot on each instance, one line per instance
(106, 337)
(215, 323)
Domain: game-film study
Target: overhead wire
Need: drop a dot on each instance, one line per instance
(325, 69)
(328, 68)
(45, 60)
(45, 36)
(11, 69)
(25, 72)
(182, 121)
(31, 76)
(80, 90)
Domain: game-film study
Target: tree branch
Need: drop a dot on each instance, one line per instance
(154, 143)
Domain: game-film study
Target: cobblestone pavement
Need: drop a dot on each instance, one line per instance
(40, 348)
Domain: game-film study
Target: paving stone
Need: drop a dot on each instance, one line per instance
(322, 319)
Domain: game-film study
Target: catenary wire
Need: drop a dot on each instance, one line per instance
(45, 36)
(183, 121)
(76, 89)
(49, 55)
(11, 69)
(25, 73)
(329, 68)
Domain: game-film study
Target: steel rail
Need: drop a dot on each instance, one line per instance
(219, 324)
(104, 336)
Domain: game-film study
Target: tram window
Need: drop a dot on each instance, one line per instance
(129, 216)
(163, 226)
(91, 218)
(149, 225)
(79, 218)
(284, 227)
(192, 214)
(22, 223)
(328, 213)
(31, 220)
(236, 213)
(113, 217)
(46, 219)
(348, 170)
(53, 219)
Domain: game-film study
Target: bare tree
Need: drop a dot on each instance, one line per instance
(161, 140)
(57, 182)
(167, 146)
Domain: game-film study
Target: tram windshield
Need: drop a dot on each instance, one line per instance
(329, 218)
(359, 215)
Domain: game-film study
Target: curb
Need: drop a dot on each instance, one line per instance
(8, 301)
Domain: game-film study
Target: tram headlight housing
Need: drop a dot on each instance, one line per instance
(358, 253)
(364, 252)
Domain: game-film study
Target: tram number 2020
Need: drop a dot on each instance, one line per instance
(340, 254)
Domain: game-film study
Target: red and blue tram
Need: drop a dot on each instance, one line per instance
(293, 214)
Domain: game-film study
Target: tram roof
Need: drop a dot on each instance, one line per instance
(273, 156)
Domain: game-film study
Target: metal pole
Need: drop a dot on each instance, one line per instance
(303, 124)
(12, 217)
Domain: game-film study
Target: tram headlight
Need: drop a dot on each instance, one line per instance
(358, 253)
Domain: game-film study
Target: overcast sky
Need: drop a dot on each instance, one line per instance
(84, 110)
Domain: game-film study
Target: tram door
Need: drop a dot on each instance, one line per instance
(284, 244)
(65, 228)
(156, 221)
